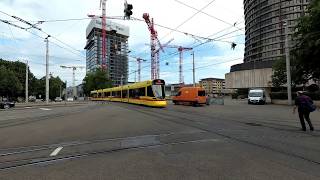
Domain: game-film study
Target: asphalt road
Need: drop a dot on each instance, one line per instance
(123, 141)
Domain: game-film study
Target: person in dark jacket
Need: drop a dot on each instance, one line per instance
(304, 114)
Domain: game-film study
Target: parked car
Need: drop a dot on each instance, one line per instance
(6, 104)
(58, 99)
(70, 99)
(39, 100)
(32, 98)
(190, 95)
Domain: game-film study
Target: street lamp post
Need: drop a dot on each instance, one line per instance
(287, 50)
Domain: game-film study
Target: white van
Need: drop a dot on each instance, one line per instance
(256, 96)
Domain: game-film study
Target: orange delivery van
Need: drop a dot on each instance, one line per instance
(190, 95)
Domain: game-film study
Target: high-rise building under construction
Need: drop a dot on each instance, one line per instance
(116, 50)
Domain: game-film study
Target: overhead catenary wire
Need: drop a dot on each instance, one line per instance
(73, 49)
(188, 19)
(203, 12)
(206, 66)
(33, 26)
(202, 43)
(176, 53)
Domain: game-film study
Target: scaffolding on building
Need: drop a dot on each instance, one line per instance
(116, 57)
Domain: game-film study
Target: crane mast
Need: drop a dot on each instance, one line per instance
(180, 50)
(104, 34)
(154, 41)
(74, 68)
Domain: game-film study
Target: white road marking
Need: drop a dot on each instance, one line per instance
(28, 107)
(45, 109)
(56, 151)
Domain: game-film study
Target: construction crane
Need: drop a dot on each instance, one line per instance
(180, 50)
(74, 68)
(139, 61)
(154, 41)
(104, 33)
(157, 54)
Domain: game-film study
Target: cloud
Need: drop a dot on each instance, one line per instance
(20, 44)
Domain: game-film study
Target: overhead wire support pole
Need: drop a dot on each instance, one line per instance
(74, 82)
(193, 71)
(139, 69)
(47, 69)
(27, 82)
(288, 66)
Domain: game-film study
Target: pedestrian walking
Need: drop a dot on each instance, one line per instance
(305, 105)
(208, 99)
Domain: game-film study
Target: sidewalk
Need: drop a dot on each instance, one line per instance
(32, 104)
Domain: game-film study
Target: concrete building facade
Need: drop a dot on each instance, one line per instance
(265, 39)
(213, 85)
(116, 50)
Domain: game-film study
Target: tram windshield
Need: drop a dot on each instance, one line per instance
(158, 91)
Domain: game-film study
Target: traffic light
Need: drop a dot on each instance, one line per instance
(127, 10)
(233, 45)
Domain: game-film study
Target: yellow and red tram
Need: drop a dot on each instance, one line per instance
(149, 93)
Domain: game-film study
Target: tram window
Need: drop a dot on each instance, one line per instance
(134, 93)
(150, 92)
(99, 95)
(142, 91)
(117, 94)
(124, 93)
(107, 94)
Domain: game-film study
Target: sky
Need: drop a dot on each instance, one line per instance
(221, 20)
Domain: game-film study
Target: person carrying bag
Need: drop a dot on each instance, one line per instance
(305, 106)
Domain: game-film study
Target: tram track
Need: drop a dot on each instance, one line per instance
(22, 162)
(185, 121)
(160, 114)
(28, 120)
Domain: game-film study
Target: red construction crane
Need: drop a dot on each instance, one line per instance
(157, 54)
(154, 41)
(180, 50)
(104, 32)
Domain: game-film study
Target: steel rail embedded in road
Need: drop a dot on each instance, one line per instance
(49, 159)
(183, 121)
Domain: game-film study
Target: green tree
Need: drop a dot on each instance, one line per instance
(96, 80)
(279, 77)
(56, 85)
(10, 85)
(19, 69)
(307, 51)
